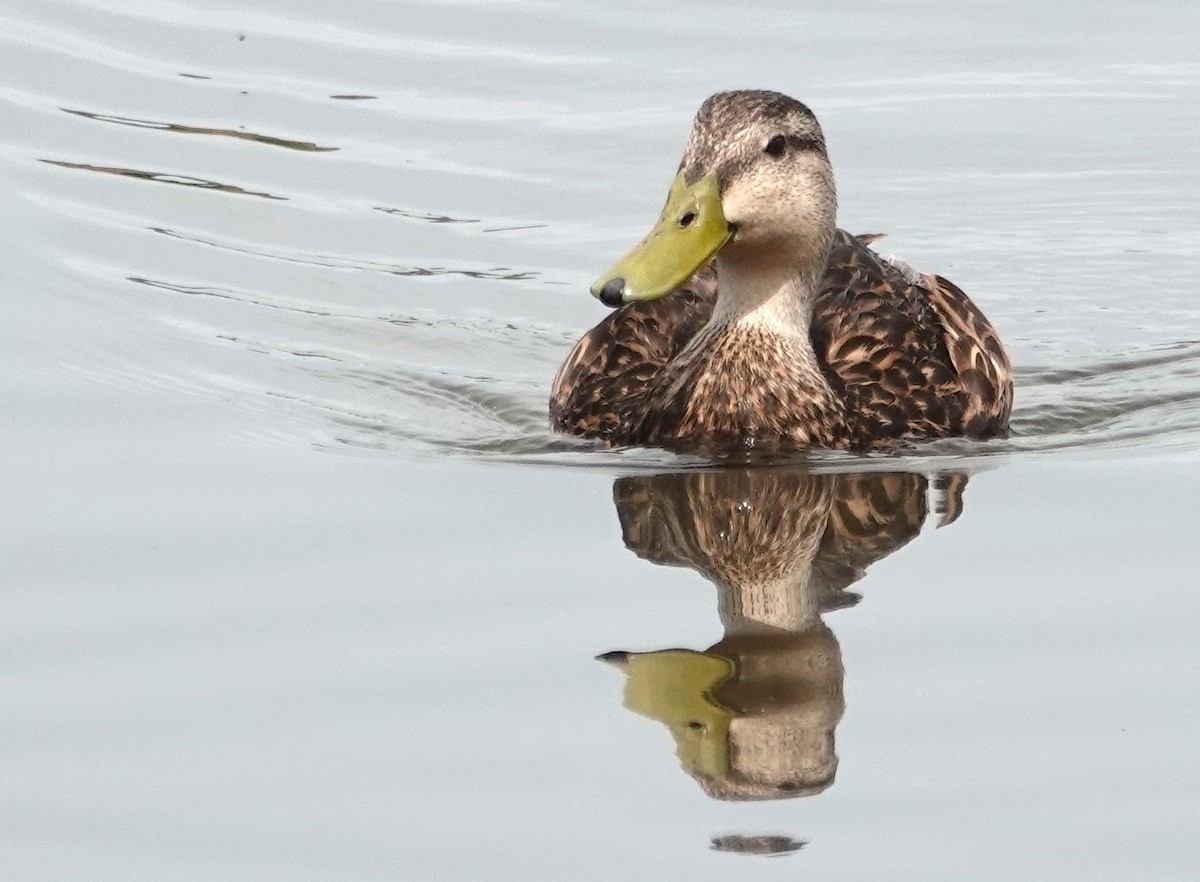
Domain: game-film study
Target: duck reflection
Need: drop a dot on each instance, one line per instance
(753, 716)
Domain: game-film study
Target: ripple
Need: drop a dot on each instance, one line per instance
(305, 146)
(231, 294)
(496, 273)
(427, 216)
(163, 178)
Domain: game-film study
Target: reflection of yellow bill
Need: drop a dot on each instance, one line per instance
(678, 687)
(690, 231)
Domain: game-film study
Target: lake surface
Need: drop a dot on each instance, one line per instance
(298, 585)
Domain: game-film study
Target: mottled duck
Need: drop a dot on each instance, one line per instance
(747, 320)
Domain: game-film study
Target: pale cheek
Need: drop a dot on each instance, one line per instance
(751, 208)
(733, 205)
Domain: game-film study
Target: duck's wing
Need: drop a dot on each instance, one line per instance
(910, 354)
(600, 389)
(984, 372)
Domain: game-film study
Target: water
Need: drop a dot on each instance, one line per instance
(298, 585)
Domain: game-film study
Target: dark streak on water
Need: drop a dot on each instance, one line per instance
(333, 262)
(764, 844)
(426, 216)
(162, 178)
(177, 128)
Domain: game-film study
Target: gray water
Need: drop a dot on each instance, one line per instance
(298, 585)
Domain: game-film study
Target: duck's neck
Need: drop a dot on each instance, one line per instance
(781, 601)
(773, 300)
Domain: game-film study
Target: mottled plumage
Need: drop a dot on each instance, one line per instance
(748, 528)
(850, 351)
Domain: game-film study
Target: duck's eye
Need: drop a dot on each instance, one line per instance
(776, 146)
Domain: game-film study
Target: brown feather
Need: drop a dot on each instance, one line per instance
(745, 528)
(908, 357)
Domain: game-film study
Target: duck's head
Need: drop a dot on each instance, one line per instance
(754, 187)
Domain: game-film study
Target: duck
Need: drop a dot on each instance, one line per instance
(747, 320)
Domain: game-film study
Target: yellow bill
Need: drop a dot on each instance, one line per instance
(690, 231)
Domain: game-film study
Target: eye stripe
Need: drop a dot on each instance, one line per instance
(805, 144)
(780, 144)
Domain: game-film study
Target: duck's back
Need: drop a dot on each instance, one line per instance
(910, 355)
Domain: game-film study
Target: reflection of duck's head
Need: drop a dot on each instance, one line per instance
(754, 716)
(678, 687)
(786, 697)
